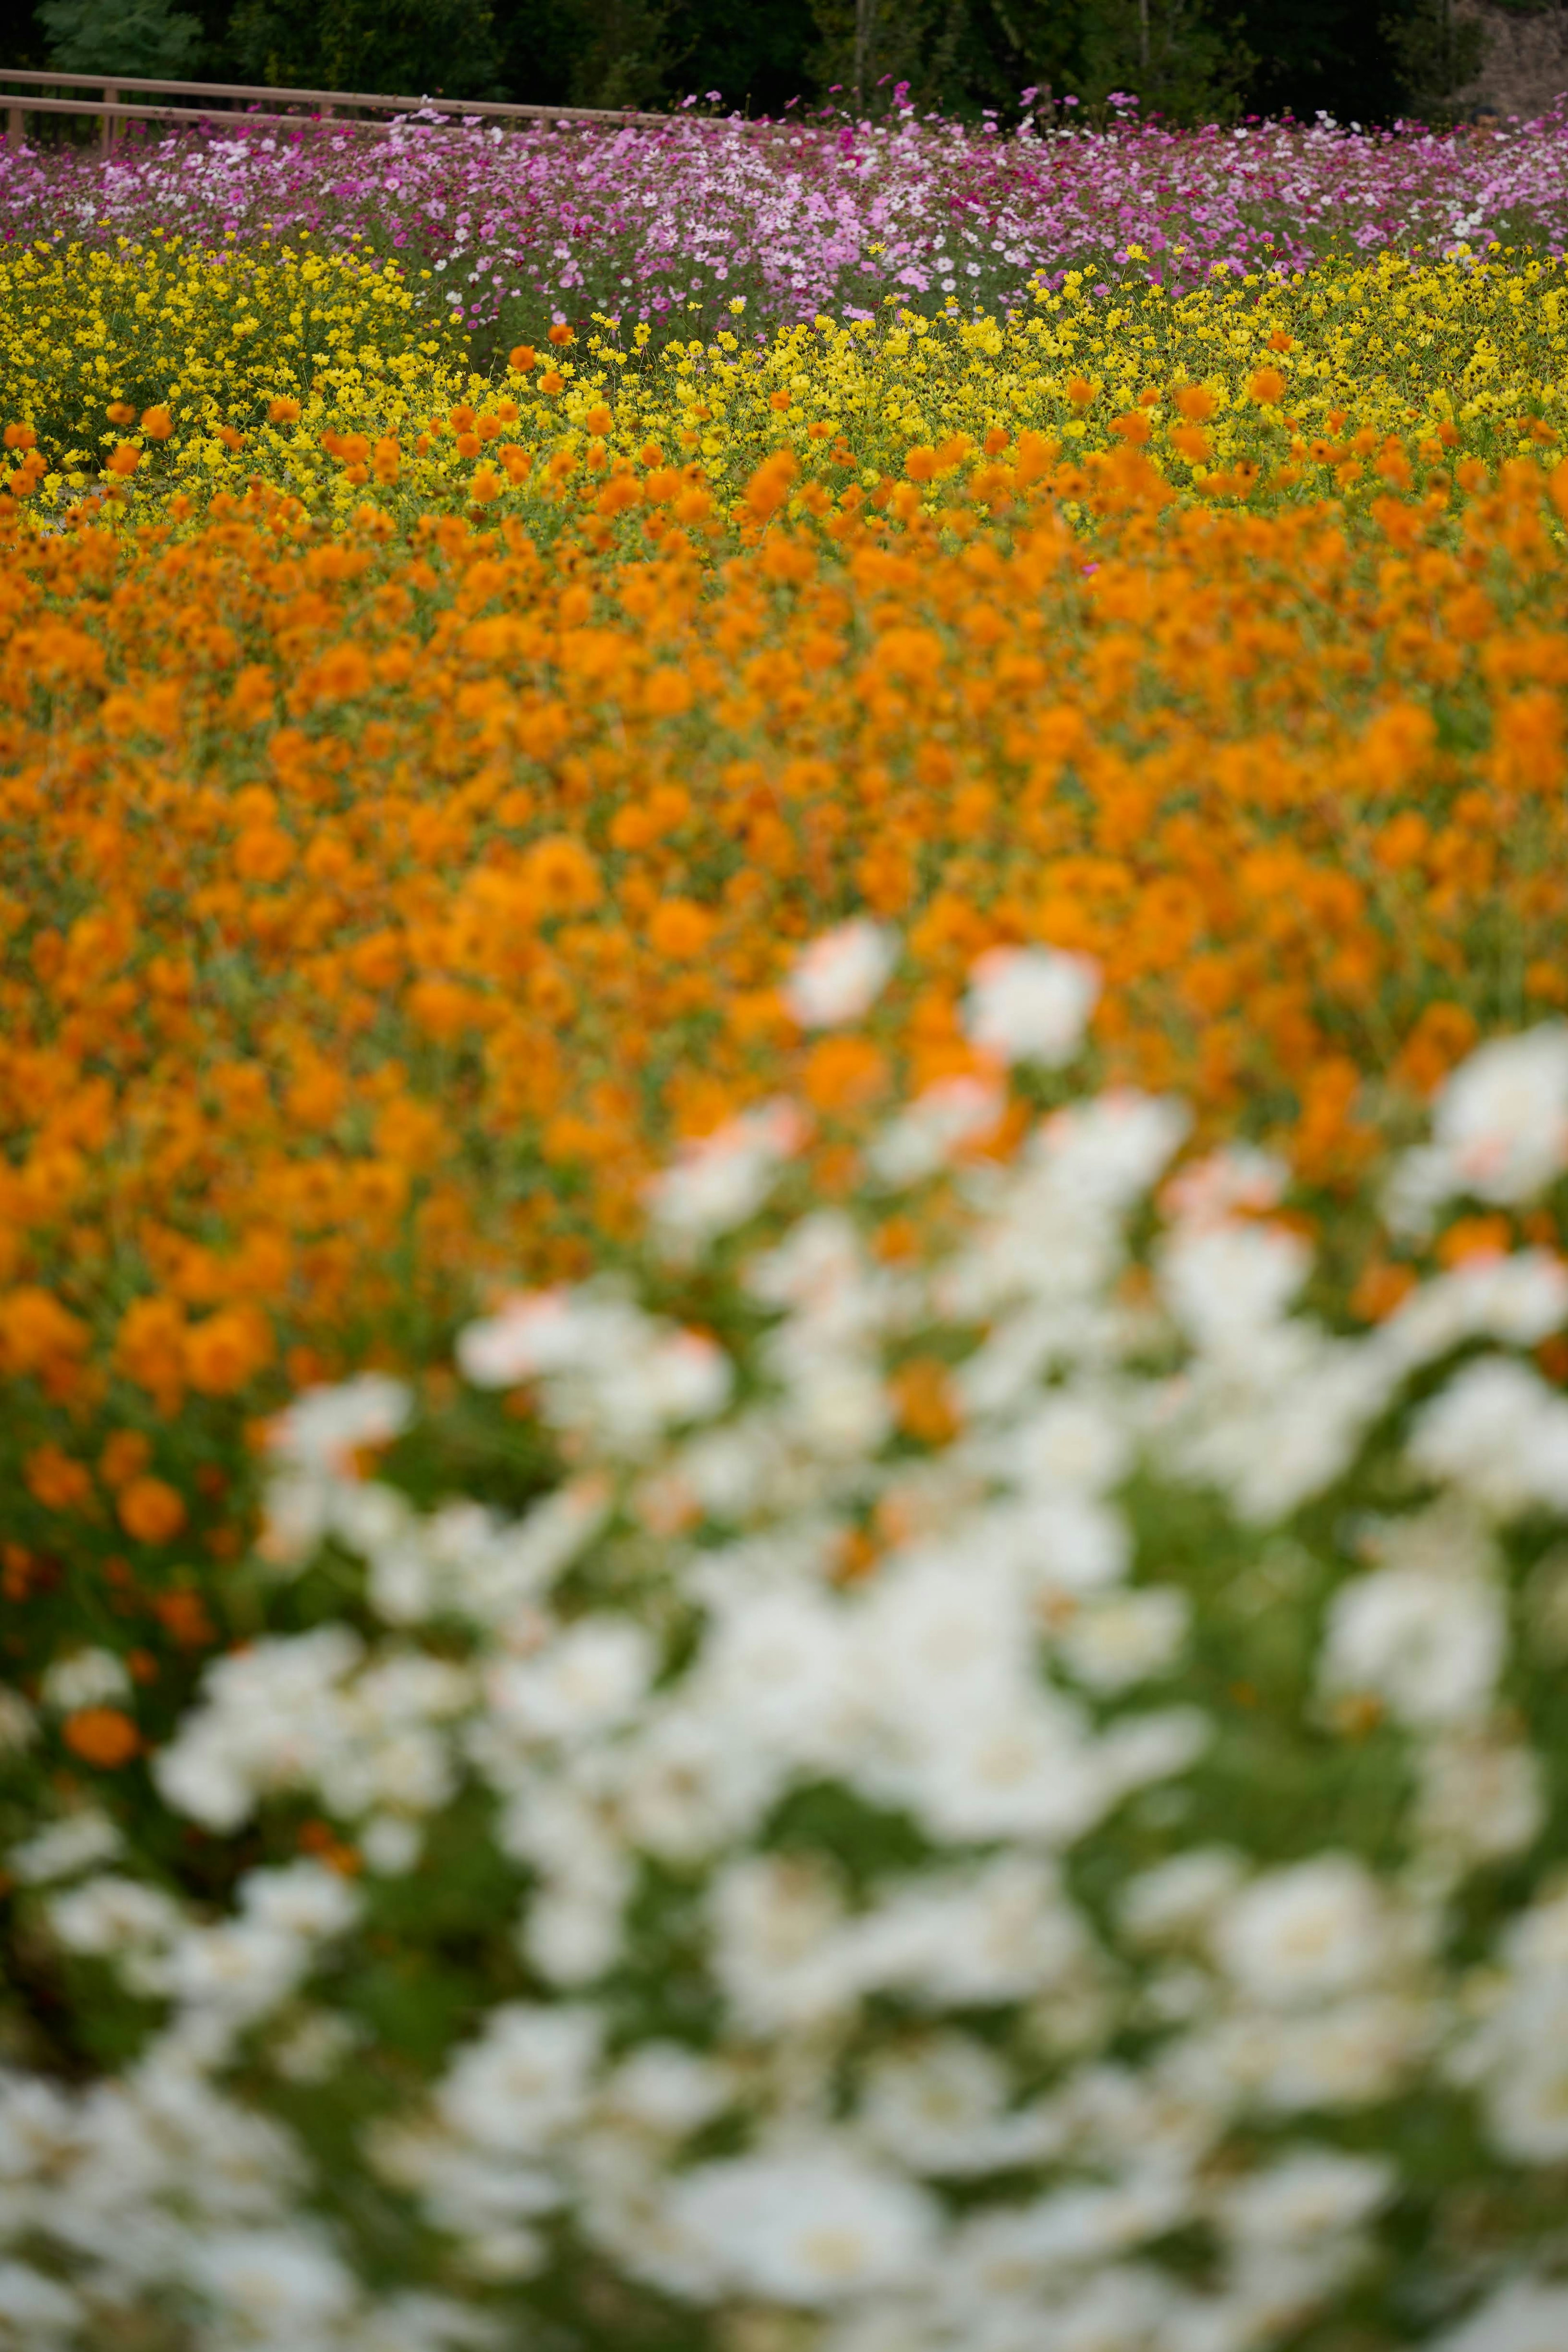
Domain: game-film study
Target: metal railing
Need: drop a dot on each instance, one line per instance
(334, 109)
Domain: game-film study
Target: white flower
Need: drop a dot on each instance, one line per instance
(1030, 1005)
(668, 2089)
(780, 1668)
(1305, 2193)
(1526, 2316)
(1498, 1433)
(722, 1180)
(107, 1915)
(1481, 1796)
(316, 2046)
(1111, 1643)
(18, 1724)
(75, 1844)
(1349, 2054)
(811, 2228)
(1430, 1644)
(1527, 2100)
(236, 1970)
(302, 1898)
(840, 974)
(1209, 1191)
(1305, 1933)
(575, 1928)
(524, 2079)
(87, 1678)
(1502, 1117)
(594, 1674)
(1225, 1282)
(325, 1427)
(274, 2284)
(935, 1128)
(34, 2310)
(780, 1953)
(1002, 1930)
(1177, 1899)
(527, 1335)
(391, 1845)
(936, 2108)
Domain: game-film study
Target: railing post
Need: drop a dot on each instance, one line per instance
(15, 127)
(106, 135)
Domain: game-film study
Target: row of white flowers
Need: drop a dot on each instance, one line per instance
(893, 1936)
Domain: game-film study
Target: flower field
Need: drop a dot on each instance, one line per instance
(557, 221)
(782, 1274)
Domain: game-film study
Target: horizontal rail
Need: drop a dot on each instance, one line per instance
(377, 102)
(111, 110)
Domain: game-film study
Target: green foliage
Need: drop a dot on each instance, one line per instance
(439, 47)
(129, 36)
(1438, 54)
(1171, 54)
(960, 55)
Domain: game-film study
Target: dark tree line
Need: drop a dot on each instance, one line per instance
(1364, 60)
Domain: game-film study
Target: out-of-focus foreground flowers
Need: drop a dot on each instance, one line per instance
(783, 1316)
(989, 1791)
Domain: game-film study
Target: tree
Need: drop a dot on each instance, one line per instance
(128, 36)
(1436, 53)
(434, 48)
(963, 56)
(1170, 54)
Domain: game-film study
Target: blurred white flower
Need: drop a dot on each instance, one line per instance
(1527, 2316)
(840, 974)
(811, 2227)
(84, 1678)
(276, 2287)
(1431, 1645)
(524, 2079)
(67, 1846)
(1498, 1433)
(1030, 1005)
(1502, 1117)
(722, 1178)
(1305, 1933)
(36, 2311)
(1305, 2193)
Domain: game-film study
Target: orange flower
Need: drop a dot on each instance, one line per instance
(924, 1401)
(56, 1481)
(102, 1736)
(522, 358)
(122, 460)
(225, 1353)
(845, 1073)
(562, 876)
(1196, 402)
(561, 333)
(125, 1455)
(680, 929)
(36, 1332)
(282, 411)
(157, 424)
(1266, 387)
(151, 1510)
